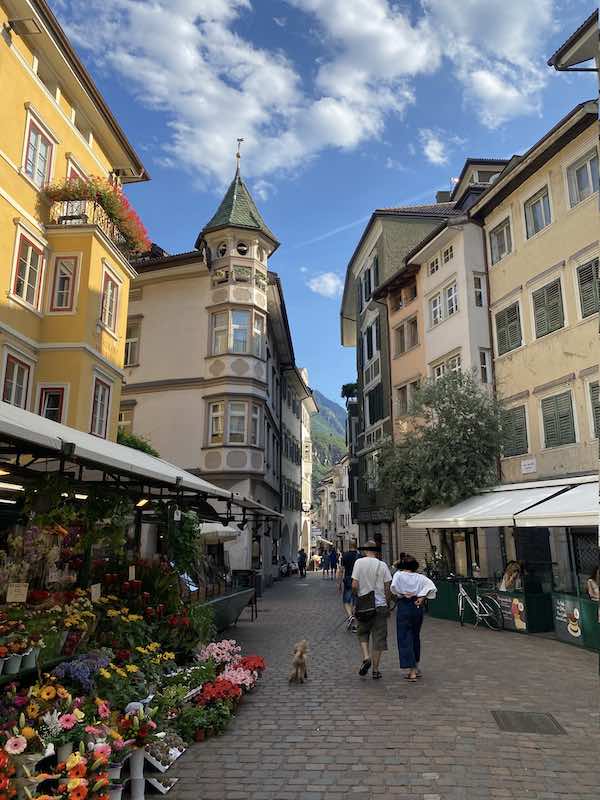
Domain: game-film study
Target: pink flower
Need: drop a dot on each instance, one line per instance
(102, 750)
(103, 710)
(20, 700)
(151, 724)
(16, 745)
(67, 721)
(92, 730)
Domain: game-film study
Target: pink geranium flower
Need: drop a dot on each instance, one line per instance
(16, 745)
(103, 710)
(67, 721)
(91, 729)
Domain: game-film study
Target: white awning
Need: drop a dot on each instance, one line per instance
(491, 509)
(216, 532)
(577, 506)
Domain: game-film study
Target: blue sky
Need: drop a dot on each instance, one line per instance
(344, 105)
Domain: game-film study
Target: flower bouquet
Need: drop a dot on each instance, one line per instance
(220, 653)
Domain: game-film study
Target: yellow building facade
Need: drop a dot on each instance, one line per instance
(64, 271)
(541, 225)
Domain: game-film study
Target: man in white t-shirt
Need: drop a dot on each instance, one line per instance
(370, 574)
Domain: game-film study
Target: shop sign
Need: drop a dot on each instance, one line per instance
(567, 619)
(513, 612)
(377, 515)
(528, 466)
(17, 592)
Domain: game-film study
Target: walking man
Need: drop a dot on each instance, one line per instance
(325, 563)
(344, 583)
(302, 562)
(372, 576)
(333, 562)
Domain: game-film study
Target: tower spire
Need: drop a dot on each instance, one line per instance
(238, 156)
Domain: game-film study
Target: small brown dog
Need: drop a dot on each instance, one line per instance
(299, 672)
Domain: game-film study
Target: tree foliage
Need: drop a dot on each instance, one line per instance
(136, 442)
(451, 450)
(349, 390)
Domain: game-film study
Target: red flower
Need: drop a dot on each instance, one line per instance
(221, 689)
(252, 663)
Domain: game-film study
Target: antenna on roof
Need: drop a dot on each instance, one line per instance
(238, 155)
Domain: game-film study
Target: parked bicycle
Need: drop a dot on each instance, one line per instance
(484, 606)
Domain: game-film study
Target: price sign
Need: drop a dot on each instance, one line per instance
(96, 590)
(17, 592)
(132, 572)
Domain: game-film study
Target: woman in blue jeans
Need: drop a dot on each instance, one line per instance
(411, 588)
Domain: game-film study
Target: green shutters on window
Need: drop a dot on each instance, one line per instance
(548, 309)
(508, 329)
(514, 432)
(375, 272)
(557, 415)
(595, 398)
(589, 293)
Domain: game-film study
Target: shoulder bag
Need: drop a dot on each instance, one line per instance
(365, 603)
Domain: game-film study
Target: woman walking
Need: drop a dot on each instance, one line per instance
(411, 588)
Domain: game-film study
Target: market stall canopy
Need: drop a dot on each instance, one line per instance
(322, 539)
(494, 508)
(577, 506)
(216, 532)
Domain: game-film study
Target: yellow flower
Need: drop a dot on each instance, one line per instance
(124, 619)
(153, 646)
(142, 650)
(112, 613)
(131, 668)
(73, 759)
(47, 692)
(134, 618)
(114, 734)
(124, 611)
(32, 710)
(121, 672)
(105, 674)
(78, 713)
(75, 782)
(27, 732)
(62, 693)
(169, 656)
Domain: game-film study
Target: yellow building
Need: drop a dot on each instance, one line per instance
(64, 270)
(541, 224)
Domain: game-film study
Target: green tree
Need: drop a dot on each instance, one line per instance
(349, 390)
(136, 442)
(452, 449)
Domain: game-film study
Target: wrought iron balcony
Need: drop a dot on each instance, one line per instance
(88, 212)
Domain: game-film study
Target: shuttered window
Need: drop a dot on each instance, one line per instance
(375, 404)
(514, 431)
(508, 329)
(595, 398)
(589, 294)
(375, 272)
(557, 415)
(548, 309)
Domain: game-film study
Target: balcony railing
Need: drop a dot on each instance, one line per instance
(87, 212)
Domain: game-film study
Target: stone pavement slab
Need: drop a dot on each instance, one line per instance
(340, 736)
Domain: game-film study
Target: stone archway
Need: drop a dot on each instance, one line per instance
(284, 543)
(294, 544)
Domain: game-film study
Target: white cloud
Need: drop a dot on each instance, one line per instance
(263, 189)
(327, 284)
(392, 163)
(303, 269)
(189, 60)
(433, 147)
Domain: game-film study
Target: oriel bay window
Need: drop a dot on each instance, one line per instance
(110, 302)
(238, 331)
(100, 405)
(28, 271)
(234, 422)
(216, 423)
(63, 286)
(16, 382)
(51, 402)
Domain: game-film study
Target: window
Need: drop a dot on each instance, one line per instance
(434, 265)
(508, 329)
(16, 382)
(557, 417)
(582, 177)
(407, 336)
(452, 364)
(255, 426)
(258, 334)
(537, 212)
(222, 250)
(242, 248)
(367, 286)
(514, 432)
(448, 254)
(231, 332)
(435, 310)
(396, 300)
(219, 332)
(110, 299)
(236, 423)
(240, 330)
(28, 273)
(451, 299)
(400, 340)
(589, 294)
(132, 344)
(411, 293)
(548, 309)
(126, 418)
(63, 288)
(38, 155)
(216, 423)
(405, 396)
(485, 371)
(595, 401)
(100, 401)
(413, 332)
(500, 241)
(479, 288)
(51, 403)
(374, 405)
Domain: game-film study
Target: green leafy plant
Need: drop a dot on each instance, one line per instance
(192, 719)
(136, 442)
(452, 449)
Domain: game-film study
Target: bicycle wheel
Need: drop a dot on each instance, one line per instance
(461, 609)
(493, 613)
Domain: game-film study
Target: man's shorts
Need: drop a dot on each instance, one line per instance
(376, 628)
(348, 596)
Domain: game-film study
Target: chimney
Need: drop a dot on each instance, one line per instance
(442, 197)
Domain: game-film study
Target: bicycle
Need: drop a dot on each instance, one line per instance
(484, 607)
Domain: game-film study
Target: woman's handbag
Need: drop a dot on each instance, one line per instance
(365, 603)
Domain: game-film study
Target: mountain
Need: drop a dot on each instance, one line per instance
(328, 432)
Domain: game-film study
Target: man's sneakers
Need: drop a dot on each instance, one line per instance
(364, 667)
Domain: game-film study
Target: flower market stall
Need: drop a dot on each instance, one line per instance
(108, 668)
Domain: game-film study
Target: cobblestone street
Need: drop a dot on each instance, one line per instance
(341, 736)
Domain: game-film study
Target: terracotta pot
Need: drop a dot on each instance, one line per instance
(200, 735)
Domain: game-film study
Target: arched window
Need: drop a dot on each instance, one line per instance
(242, 248)
(222, 249)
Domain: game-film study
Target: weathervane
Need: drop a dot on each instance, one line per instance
(238, 154)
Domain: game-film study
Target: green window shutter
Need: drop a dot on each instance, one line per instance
(540, 314)
(360, 353)
(375, 272)
(508, 329)
(595, 398)
(377, 334)
(589, 293)
(502, 332)
(514, 429)
(550, 420)
(548, 311)
(559, 424)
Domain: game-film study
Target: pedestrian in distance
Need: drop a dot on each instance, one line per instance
(412, 589)
(302, 563)
(333, 562)
(325, 563)
(344, 583)
(371, 579)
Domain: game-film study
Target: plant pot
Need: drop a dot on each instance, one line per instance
(114, 771)
(200, 735)
(30, 658)
(13, 664)
(63, 751)
(115, 792)
(136, 764)
(137, 787)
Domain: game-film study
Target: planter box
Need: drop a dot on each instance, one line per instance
(161, 767)
(156, 784)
